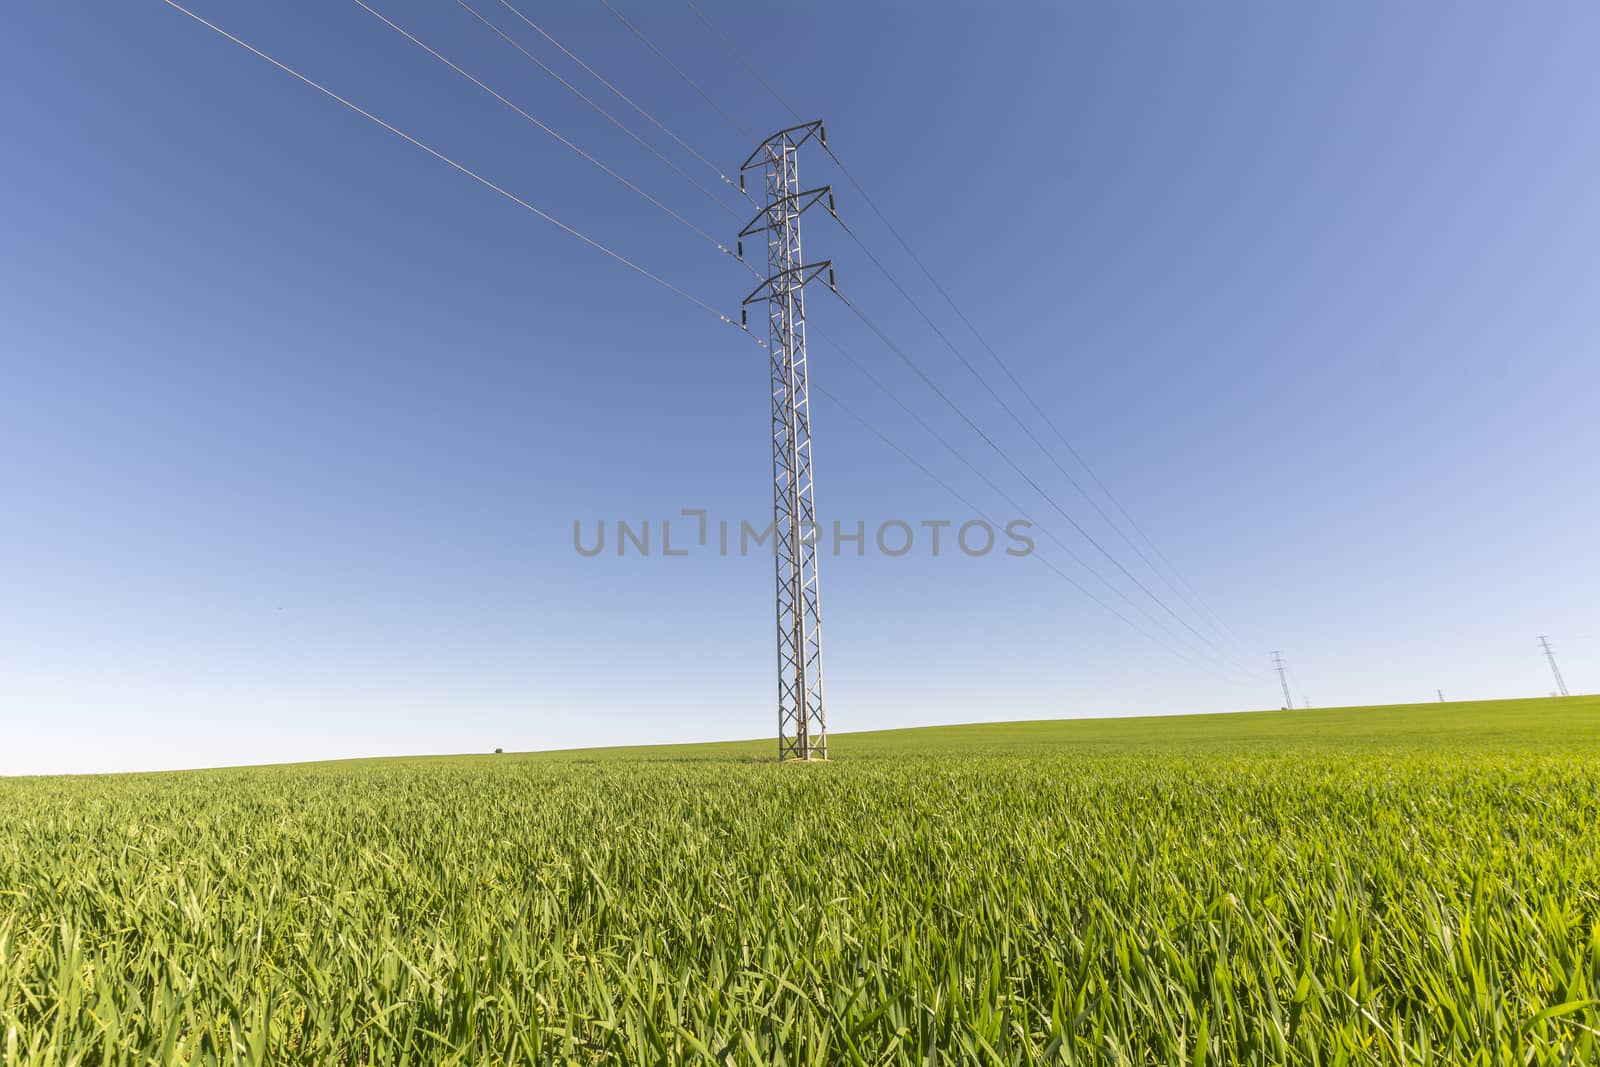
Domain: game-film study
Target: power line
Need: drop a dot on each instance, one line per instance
(1016, 507)
(962, 358)
(581, 95)
(707, 237)
(622, 95)
(536, 122)
(474, 175)
(1037, 408)
(754, 71)
(1005, 368)
(1007, 408)
(893, 395)
(635, 188)
(526, 205)
(648, 43)
(1051, 500)
(942, 395)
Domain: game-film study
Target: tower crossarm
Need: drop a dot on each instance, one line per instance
(793, 137)
(793, 278)
(773, 214)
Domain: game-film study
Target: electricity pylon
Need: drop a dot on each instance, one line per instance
(1561, 683)
(1283, 679)
(802, 721)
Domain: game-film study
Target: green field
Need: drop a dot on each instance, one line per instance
(1385, 885)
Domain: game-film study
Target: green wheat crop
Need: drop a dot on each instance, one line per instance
(1410, 885)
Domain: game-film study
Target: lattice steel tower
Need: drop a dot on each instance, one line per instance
(1561, 683)
(1283, 680)
(802, 721)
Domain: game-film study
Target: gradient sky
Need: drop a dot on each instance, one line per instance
(297, 420)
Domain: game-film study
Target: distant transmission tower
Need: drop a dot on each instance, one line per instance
(1283, 679)
(1441, 695)
(1561, 683)
(802, 722)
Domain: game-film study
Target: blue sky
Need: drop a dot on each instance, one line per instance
(297, 420)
